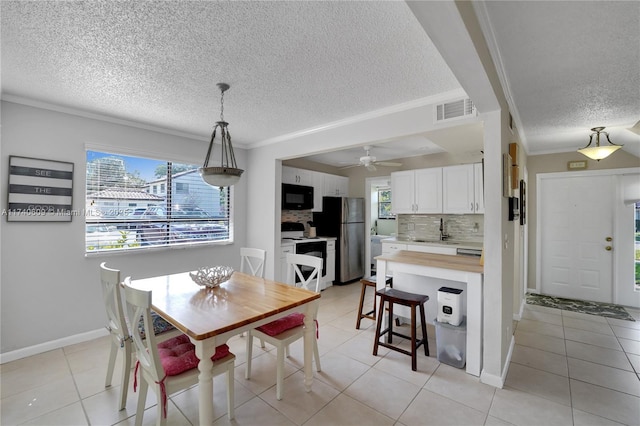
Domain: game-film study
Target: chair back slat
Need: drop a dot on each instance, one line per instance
(112, 298)
(295, 261)
(138, 303)
(252, 261)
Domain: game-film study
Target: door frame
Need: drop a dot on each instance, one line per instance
(619, 295)
(368, 213)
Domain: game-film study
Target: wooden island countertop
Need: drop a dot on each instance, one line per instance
(457, 263)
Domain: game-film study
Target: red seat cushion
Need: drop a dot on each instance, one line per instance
(283, 324)
(178, 355)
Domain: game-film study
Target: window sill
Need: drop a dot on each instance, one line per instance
(156, 249)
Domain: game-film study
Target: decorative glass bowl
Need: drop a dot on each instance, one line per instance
(212, 277)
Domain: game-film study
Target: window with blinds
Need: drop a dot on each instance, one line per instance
(134, 203)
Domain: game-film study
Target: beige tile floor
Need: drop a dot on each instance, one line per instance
(566, 369)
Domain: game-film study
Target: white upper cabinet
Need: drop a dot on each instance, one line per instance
(479, 187)
(297, 176)
(417, 191)
(429, 190)
(318, 191)
(452, 189)
(335, 186)
(403, 192)
(458, 189)
(463, 189)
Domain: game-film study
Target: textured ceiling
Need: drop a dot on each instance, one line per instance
(568, 65)
(291, 65)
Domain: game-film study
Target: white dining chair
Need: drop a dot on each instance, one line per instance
(252, 261)
(119, 329)
(284, 331)
(172, 365)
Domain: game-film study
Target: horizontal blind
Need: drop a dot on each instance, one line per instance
(135, 203)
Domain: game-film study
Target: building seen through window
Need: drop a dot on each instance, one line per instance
(137, 203)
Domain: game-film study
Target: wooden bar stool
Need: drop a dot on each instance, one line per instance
(412, 300)
(369, 282)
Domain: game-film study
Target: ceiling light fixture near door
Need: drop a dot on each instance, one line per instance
(227, 173)
(598, 152)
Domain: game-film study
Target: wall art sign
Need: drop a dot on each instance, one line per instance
(39, 190)
(507, 164)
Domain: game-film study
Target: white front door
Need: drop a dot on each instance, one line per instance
(576, 221)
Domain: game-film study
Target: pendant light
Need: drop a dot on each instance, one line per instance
(227, 173)
(598, 152)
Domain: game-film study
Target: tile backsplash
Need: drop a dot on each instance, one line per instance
(302, 216)
(468, 227)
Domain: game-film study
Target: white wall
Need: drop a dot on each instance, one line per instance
(49, 289)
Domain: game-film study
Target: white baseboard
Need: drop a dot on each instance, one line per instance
(498, 381)
(51, 345)
(518, 316)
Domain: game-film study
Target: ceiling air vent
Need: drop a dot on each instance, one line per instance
(455, 109)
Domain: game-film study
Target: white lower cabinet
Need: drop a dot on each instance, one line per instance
(388, 248)
(284, 250)
(327, 280)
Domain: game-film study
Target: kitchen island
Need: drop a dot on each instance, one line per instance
(424, 273)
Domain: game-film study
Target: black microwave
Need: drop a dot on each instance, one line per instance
(297, 197)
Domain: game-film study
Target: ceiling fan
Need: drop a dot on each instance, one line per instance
(369, 161)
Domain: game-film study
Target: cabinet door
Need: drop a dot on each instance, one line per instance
(478, 183)
(428, 190)
(342, 186)
(297, 176)
(289, 175)
(403, 190)
(331, 266)
(458, 189)
(335, 186)
(283, 262)
(305, 177)
(330, 185)
(388, 248)
(318, 190)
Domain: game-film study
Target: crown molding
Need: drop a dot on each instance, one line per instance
(482, 13)
(96, 116)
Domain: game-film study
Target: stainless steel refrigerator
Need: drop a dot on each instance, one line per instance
(343, 218)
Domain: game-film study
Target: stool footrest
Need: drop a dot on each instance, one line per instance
(418, 343)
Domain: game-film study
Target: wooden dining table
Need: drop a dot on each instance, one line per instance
(210, 316)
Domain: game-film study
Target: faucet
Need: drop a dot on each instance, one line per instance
(443, 236)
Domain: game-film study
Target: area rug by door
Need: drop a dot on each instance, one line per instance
(608, 310)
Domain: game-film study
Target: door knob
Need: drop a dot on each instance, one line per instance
(608, 248)
(609, 239)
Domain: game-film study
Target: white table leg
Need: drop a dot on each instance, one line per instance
(309, 335)
(204, 351)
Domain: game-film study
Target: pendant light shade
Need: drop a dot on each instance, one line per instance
(598, 152)
(227, 173)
